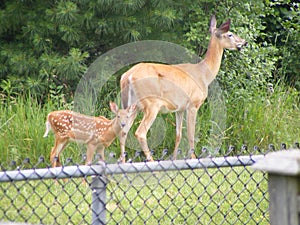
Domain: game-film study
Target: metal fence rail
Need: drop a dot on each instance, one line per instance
(212, 190)
(109, 169)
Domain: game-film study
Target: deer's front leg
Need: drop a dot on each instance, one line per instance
(191, 123)
(179, 119)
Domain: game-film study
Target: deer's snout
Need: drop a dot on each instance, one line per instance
(241, 45)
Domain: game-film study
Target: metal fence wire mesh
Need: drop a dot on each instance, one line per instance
(208, 190)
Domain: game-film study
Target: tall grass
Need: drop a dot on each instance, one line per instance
(263, 120)
(254, 120)
(21, 128)
(22, 124)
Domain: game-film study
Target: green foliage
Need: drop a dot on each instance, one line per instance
(253, 116)
(44, 41)
(22, 126)
(264, 119)
(282, 23)
(54, 42)
(251, 68)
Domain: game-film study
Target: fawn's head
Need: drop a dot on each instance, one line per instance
(124, 117)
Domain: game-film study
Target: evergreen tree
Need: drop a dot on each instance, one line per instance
(53, 42)
(45, 45)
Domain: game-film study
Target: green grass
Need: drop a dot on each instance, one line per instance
(224, 196)
(44, 202)
(254, 120)
(22, 124)
(218, 196)
(264, 120)
(21, 129)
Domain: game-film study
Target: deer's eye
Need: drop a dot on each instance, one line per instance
(230, 35)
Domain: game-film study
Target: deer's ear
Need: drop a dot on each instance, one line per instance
(132, 108)
(224, 27)
(213, 24)
(113, 107)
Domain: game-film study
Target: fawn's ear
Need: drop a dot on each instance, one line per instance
(113, 107)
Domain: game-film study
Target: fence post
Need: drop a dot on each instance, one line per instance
(283, 168)
(98, 186)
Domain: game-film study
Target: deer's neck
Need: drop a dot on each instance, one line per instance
(116, 128)
(211, 63)
(111, 131)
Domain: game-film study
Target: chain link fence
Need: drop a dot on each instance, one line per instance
(207, 190)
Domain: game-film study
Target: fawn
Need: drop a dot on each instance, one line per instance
(95, 132)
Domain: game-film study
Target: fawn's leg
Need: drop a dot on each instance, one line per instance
(60, 144)
(90, 153)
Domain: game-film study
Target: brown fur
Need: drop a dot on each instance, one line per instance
(95, 132)
(175, 88)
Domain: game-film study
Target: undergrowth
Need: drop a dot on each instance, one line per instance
(258, 120)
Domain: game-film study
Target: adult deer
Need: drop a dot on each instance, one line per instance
(176, 88)
(96, 132)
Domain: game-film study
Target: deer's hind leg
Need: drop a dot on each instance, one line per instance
(60, 144)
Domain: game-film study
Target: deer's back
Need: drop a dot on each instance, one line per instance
(76, 125)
